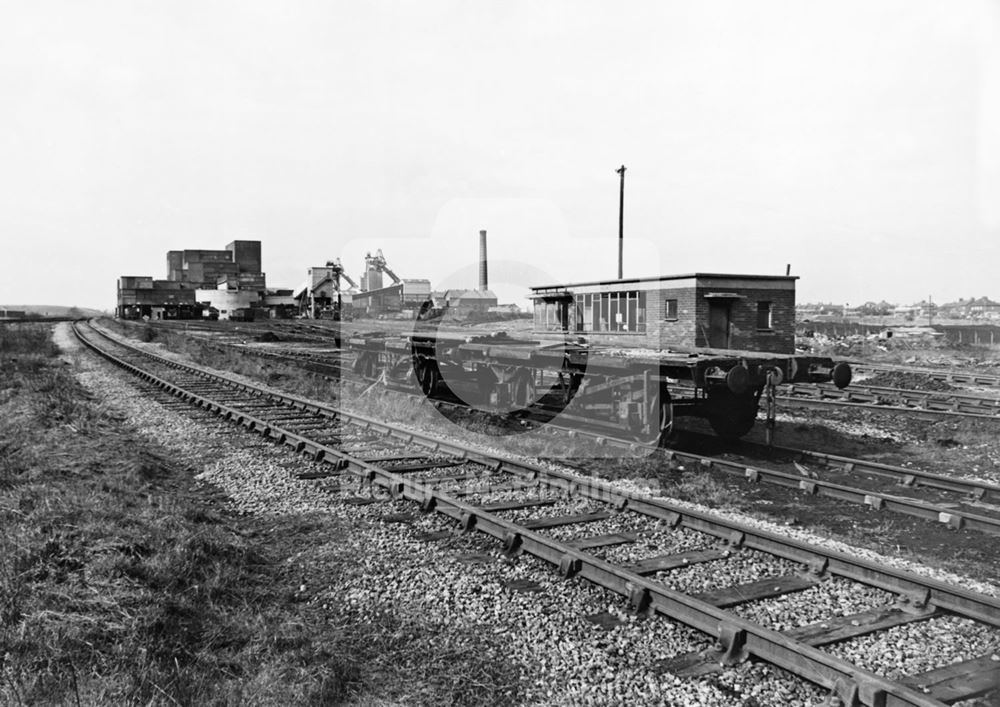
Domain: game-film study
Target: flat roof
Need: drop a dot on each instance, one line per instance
(656, 278)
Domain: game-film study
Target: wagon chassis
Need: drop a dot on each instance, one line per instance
(638, 396)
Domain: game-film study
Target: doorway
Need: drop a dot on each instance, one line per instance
(719, 316)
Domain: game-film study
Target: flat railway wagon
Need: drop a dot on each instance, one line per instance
(626, 355)
(628, 393)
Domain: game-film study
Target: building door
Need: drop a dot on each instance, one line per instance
(564, 316)
(719, 311)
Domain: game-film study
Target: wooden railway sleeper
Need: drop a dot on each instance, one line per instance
(857, 686)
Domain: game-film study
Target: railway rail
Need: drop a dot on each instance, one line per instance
(945, 375)
(915, 402)
(524, 506)
(929, 405)
(954, 502)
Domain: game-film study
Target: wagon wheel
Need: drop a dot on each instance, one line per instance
(730, 415)
(428, 375)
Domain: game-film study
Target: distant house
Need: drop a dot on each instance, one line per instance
(918, 310)
(13, 314)
(972, 308)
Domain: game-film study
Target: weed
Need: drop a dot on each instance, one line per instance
(122, 582)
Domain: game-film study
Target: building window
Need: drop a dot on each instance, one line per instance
(670, 309)
(764, 318)
(612, 311)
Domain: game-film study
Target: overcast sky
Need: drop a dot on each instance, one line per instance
(857, 141)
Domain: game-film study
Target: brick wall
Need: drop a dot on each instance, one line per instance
(678, 332)
(689, 329)
(744, 334)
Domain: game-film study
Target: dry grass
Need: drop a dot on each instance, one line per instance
(122, 582)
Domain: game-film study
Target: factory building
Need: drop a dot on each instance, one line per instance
(228, 282)
(323, 294)
(141, 296)
(462, 303)
(205, 268)
(703, 310)
(280, 304)
(407, 296)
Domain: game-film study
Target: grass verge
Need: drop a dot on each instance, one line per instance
(122, 581)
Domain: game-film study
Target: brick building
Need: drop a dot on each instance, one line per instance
(700, 310)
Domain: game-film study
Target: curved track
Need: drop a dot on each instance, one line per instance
(524, 506)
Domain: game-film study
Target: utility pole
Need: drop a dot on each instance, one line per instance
(621, 219)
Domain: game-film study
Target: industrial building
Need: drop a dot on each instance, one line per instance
(402, 297)
(463, 303)
(407, 296)
(330, 292)
(225, 283)
(229, 284)
(719, 311)
(323, 294)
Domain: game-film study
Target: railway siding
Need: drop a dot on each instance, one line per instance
(735, 636)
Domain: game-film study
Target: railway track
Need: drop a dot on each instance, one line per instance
(921, 404)
(929, 405)
(947, 376)
(954, 502)
(925, 404)
(592, 530)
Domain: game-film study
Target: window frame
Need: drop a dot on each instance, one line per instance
(765, 307)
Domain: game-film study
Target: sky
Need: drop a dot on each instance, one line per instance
(856, 141)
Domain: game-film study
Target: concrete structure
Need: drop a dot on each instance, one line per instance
(215, 274)
(140, 296)
(280, 304)
(700, 310)
(228, 302)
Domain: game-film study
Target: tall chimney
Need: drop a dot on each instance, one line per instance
(483, 279)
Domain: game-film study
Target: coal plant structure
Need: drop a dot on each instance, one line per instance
(225, 284)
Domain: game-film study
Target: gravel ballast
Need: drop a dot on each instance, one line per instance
(461, 583)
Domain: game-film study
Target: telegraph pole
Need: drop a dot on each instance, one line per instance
(621, 219)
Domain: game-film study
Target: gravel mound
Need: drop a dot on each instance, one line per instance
(908, 381)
